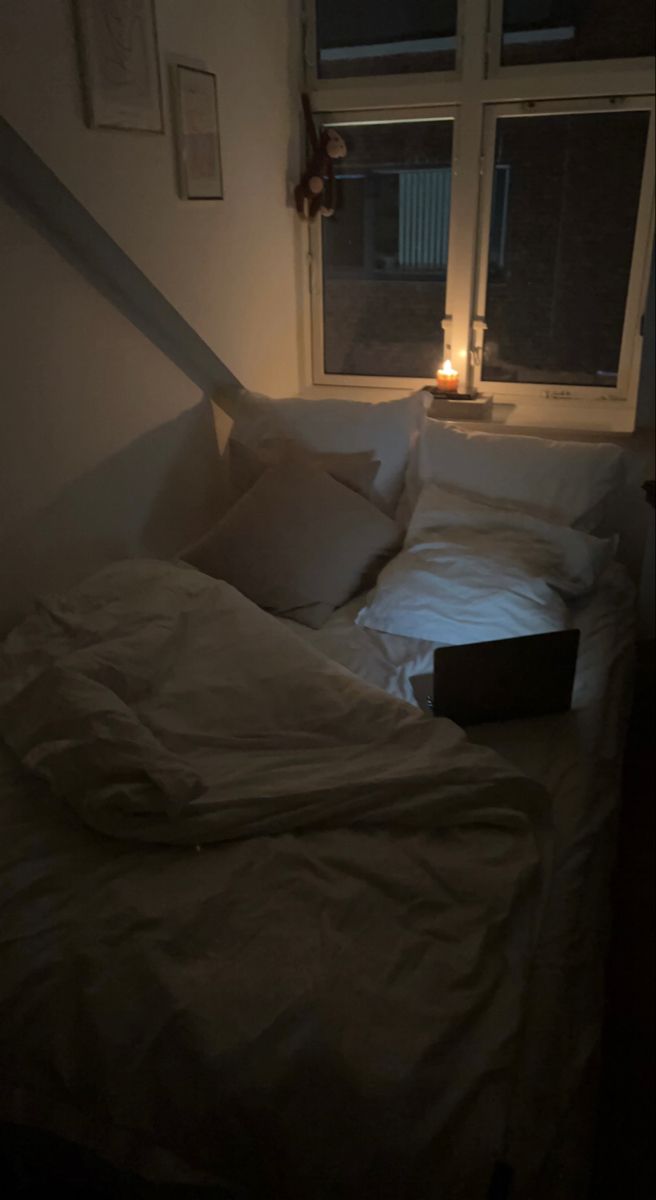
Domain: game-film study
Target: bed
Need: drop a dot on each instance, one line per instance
(578, 758)
(269, 927)
(305, 977)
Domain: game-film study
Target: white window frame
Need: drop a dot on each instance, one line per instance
(629, 360)
(315, 255)
(467, 96)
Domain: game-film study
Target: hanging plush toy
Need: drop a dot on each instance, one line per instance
(315, 193)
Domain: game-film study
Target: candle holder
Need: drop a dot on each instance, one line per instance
(459, 406)
(450, 394)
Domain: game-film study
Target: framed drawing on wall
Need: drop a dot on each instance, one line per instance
(198, 147)
(120, 64)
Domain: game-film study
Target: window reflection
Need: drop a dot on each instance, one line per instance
(385, 250)
(564, 209)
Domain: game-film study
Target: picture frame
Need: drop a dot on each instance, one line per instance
(198, 146)
(119, 61)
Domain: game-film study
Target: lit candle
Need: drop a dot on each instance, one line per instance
(447, 378)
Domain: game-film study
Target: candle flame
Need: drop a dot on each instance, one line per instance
(447, 367)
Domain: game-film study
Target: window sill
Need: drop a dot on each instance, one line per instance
(601, 416)
(595, 416)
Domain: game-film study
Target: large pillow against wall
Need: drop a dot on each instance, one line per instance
(562, 481)
(247, 463)
(388, 431)
(298, 543)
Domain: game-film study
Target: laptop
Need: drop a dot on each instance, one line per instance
(510, 678)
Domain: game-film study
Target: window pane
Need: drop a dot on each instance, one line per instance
(561, 245)
(537, 31)
(385, 250)
(385, 37)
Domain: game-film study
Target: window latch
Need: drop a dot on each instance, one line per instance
(479, 325)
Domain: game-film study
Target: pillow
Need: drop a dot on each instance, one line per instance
(473, 572)
(298, 543)
(562, 481)
(246, 464)
(388, 431)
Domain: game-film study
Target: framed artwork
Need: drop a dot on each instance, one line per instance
(120, 64)
(200, 175)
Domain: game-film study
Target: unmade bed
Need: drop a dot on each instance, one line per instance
(268, 926)
(277, 934)
(577, 756)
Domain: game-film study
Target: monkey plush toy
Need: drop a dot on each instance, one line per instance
(315, 193)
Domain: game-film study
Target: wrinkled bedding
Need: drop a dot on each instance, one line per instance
(577, 756)
(471, 571)
(263, 924)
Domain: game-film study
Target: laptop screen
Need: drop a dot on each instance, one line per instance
(505, 679)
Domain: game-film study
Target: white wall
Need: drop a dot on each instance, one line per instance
(106, 448)
(228, 266)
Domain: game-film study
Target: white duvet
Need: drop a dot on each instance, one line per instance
(298, 962)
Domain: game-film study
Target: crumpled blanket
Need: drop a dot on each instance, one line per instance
(325, 1000)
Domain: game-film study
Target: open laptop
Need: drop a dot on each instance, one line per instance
(497, 681)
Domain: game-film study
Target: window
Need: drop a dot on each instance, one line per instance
(385, 251)
(385, 37)
(554, 301)
(550, 31)
(500, 215)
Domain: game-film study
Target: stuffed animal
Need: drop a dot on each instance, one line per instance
(315, 193)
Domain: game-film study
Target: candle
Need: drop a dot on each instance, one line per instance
(447, 378)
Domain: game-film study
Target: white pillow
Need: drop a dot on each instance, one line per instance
(388, 430)
(471, 572)
(562, 481)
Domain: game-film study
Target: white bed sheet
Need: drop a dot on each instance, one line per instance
(577, 756)
(606, 620)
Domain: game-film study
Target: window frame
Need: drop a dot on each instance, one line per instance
(629, 358)
(467, 96)
(315, 251)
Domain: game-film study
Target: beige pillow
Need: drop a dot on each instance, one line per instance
(298, 543)
(247, 463)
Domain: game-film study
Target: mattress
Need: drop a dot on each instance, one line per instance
(577, 756)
